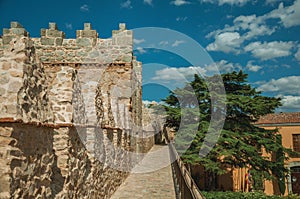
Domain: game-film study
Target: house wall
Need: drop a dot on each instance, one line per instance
(286, 131)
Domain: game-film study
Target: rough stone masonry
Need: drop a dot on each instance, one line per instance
(70, 113)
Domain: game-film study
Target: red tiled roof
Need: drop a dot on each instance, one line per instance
(279, 118)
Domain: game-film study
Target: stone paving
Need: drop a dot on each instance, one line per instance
(151, 178)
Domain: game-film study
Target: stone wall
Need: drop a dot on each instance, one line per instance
(27, 161)
(44, 162)
(70, 113)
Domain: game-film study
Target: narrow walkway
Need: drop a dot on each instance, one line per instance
(150, 179)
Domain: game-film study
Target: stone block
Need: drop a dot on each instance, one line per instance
(6, 65)
(82, 53)
(47, 41)
(52, 26)
(126, 93)
(44, 59)
(15, 24)
(2, 91)
(43, 32)
(122, 26)
(54, 33)
(14, 87)
(89, 33)
(15, 73)
(4, 78)
(6, 39)
(78, 33)
(6, 31)
(19, 31)
(114, 32)
(94, 54)
(58, 41)
(127, 58)
(11, 109)
(59, 58)
(87, 26)
(6, 132)
(129, 32)
(83, 42)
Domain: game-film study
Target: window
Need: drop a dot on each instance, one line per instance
(296, 142)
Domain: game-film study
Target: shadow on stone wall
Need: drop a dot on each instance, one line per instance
(33, 166)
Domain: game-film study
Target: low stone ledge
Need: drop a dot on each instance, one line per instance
(77, 65)
(58, 125)
(51, 125)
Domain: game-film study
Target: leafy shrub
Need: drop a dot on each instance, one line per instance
(241, 195)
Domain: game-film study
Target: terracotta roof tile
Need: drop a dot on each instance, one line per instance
(279, 118)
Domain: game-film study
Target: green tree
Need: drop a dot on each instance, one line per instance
(239, 143)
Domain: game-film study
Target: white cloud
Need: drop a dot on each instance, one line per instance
(270, 50)
(69, 26)
(163, 43)
(226, 42)
(225, 66)
(141, 50)
(179, 2)
(138, 41)
(126, 4)
(272, 2)
(177, 43)
(252, 67)
(289, 16)
(252, 26)
(284, 86)
(297, 55)
(230, 2)
(187, 73)
(149, 2)
(290, 103)
(84, 8)
(181, 18)
(178, 74)
(287, 88)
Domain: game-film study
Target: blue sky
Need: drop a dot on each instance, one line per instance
(261, 37)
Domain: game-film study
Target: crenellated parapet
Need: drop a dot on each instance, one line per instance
(53, 47)
(49, 68)
(52, 36)
(15, 30)
(87, 36)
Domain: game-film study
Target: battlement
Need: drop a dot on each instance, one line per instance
(53, 47)
(30, 66)
(49, 36)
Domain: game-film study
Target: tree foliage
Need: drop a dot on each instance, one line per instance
(240, 143)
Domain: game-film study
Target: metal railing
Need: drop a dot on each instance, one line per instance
(186, 186)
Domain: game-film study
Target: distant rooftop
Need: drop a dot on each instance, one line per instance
(280, 118)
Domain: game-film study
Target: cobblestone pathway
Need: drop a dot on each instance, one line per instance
(151, 179)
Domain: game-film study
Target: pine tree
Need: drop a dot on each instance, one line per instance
(240, 143)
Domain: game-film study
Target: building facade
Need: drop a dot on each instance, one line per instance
(288, 125)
